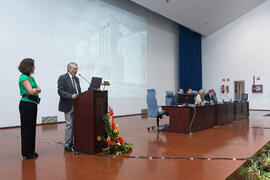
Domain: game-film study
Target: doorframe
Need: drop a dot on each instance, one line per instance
(240, 95)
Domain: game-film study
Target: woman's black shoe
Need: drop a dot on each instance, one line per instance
(35, 155)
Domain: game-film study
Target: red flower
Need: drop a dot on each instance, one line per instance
(118, 140)
(121, 140)
(113, 125)
(111, 112)
(110, 143)
(266, 165)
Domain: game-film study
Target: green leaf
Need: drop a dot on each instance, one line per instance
(107, 148)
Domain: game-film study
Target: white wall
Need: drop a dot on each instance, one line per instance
(55, 32)
(238, 51)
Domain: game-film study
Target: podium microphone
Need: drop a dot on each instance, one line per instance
(84, 79)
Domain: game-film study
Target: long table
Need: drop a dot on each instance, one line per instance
(191, 119)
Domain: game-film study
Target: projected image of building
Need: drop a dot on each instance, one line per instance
(115, 53)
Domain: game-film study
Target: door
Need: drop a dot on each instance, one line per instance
(239, 89)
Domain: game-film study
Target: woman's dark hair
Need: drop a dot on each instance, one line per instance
(26, 66)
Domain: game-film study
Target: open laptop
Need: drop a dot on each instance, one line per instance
(95, 83)
(186, 99)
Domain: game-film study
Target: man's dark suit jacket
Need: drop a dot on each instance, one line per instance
(65, 91)
(207, 97)
(175, 99)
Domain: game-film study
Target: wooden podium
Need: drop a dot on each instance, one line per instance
(89, 107)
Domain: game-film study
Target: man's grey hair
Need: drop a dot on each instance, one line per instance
(71, 64)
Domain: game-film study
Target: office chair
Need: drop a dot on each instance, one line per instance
(195, 94)
(169, 98)
(153, 111)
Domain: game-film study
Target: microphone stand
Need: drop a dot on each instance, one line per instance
(84, 79)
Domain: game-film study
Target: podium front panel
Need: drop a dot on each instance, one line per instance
(88, 110)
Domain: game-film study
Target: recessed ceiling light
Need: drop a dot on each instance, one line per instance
(166, 1)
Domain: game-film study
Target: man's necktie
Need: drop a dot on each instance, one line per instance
(74, 85)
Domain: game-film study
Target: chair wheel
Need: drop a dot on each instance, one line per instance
(148, 129)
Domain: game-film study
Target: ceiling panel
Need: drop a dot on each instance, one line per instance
(202, 16)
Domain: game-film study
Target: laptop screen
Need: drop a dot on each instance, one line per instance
(95, 83)
(186, 98)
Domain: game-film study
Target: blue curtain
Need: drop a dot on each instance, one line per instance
(190, 59)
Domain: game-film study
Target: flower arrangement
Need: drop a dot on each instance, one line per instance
(259, 169)
(115, 142)
(259, 166)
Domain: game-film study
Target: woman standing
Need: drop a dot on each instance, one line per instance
(29, 91)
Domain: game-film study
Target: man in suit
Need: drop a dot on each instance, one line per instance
(175, 98)
(68, 90)
(189, 91)
(210, 96)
